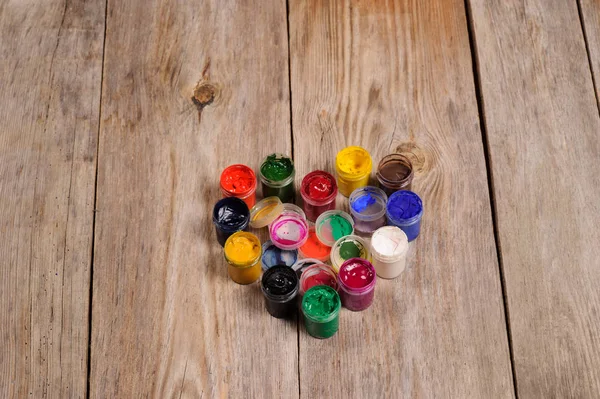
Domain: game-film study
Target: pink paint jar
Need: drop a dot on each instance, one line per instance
(356, 281)
(318, 191)
(289, 231)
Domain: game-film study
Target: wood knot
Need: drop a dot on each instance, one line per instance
(204, 94)
(418, 157)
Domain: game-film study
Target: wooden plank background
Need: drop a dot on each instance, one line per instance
(108, 173)
(397, 76)
(50, 72)
(543, 125)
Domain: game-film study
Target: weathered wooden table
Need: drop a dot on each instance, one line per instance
(112, 283)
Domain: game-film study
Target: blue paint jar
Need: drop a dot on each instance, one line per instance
(405, 210)
(230, 215)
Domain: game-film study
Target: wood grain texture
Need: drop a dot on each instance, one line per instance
(167, 320)
(543, 125)
(590, 20)
(389, 76)
(50, 73)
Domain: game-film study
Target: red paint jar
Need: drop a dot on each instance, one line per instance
(356, 280)
(318, 191)
(239, 181)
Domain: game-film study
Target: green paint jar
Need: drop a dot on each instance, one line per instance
(321, 308)
(277, 177)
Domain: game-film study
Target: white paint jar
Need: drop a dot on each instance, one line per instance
(389, 246)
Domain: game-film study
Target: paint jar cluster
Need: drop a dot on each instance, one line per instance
(317, 259)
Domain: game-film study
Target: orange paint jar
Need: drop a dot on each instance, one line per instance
(239, 181)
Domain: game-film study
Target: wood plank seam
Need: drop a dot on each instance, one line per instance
(587, 50)
(490, 179)
(89, 349)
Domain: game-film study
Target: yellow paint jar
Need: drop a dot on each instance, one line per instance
(242, 253)
(353, 166)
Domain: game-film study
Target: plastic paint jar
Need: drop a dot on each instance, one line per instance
(318, 274)
(289, 230)
(389, 246)
(368, 207)
(288, 207)
(265, 211)
(239, 181)
(348, 247)
(277, 177)
(229, 215)
(272, 256)
(243, 252)
(356, 280)
(353, 166)
(333, 225)
(394, 172)
(314, 248)
(279, 285)
(318, 191)
(405, 210)
(321, 309)
(303, 264)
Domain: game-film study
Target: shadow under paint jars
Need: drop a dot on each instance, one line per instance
(394, 172)
(280, 286)
(356, 280)
(230, 215)
(277, 177)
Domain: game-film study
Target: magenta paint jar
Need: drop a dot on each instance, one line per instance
(318, 191)
(289, 231)
(356, 281)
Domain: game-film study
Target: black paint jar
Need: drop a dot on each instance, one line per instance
(280, 286)
(230, 215)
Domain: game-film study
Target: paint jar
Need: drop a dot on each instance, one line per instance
(280, 286)
(348, 247)
(277, 177)
(303, 264)
(333, 225)
(272, 256)
(389, 246)
(288, 207)
(405, 210)
(314, 248)
(319, 274)
(321, 309)
(230, 215)
(394, 172)
(356, 281)
(239, 181)
(289, 230)
(368, 207)
(265, 211)
(318, 191)
(242, 253)
(353, 166)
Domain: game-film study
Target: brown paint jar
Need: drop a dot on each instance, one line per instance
(394, 172)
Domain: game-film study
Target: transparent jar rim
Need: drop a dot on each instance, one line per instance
(368, 218)
(243, 194)
(319, 202)
(331, 316)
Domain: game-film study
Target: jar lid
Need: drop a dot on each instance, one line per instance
(265, 211)
(302, 264)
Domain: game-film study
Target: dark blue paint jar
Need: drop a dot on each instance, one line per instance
(230, 215)
(405, 210)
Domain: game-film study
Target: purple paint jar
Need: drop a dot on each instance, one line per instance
(356, 281)
(368, 207)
